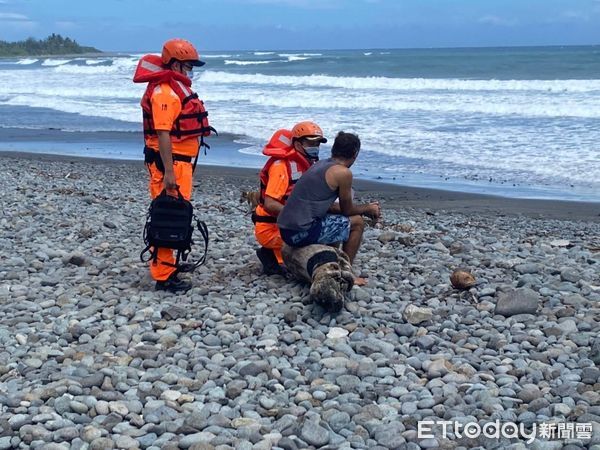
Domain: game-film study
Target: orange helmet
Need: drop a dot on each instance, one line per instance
(180, 50)
(308, 130)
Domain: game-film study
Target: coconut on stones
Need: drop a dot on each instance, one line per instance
(461, 279)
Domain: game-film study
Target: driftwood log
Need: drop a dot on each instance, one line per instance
(326, 269)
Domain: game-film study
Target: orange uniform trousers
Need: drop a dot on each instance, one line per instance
(267, 235)
(163, 267)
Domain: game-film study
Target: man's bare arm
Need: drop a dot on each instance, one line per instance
(342, 177)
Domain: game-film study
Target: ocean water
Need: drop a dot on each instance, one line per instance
(519, 122)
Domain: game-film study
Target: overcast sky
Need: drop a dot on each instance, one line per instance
(128, 25)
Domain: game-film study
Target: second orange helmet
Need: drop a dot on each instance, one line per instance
(308, 130)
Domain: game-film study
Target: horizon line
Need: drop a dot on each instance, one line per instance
(379, 48)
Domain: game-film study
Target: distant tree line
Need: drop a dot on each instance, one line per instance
(54, 44)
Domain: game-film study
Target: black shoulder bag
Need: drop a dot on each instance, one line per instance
(169, 224)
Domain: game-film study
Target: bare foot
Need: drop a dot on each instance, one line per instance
(358, 281)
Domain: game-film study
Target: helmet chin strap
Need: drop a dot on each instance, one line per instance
(180, 69)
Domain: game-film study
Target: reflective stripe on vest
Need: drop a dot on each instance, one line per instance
(187, 91)
(151, 67)
(285, 140)
(295, 174)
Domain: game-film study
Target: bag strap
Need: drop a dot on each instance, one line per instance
(164, 193)
(203, 229)
(146, 250)
(153, 254)
(202, 143)
(183, 254)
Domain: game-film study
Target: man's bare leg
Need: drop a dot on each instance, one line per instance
(350, 247)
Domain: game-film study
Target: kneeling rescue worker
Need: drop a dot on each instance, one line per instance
(291, 154)
(175, 123)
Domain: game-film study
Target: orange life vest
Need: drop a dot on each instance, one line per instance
(193, 119)
(280, 148)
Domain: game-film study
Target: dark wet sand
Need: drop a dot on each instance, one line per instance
(391, 196)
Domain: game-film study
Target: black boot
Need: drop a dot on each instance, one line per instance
(173, 285)
(269, 262)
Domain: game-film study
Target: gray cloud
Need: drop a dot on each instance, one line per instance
(312, 4)
(497, 21)
(576, 15)
(14, 17)
(65, 23)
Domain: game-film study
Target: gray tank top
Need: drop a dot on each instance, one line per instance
(310, 200)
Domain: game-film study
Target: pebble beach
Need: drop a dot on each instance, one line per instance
(91, 357)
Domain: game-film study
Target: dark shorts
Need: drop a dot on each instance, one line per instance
(330, 229)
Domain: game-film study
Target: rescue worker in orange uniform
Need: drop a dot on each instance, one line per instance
(175, 122)
(291, 154)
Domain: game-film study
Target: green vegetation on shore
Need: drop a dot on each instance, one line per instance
(54, 44)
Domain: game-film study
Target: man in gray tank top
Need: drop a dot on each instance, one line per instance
(310, 215)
